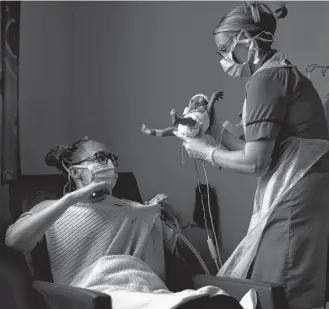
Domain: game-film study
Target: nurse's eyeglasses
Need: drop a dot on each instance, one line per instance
(102, 158)
(222, 50)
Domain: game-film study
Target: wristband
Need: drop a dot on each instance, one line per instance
(211, 157)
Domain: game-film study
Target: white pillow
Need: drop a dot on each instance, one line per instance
(249, 300)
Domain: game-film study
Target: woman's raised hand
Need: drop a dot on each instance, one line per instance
(83, 194)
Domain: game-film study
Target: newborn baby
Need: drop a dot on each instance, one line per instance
(195, 116)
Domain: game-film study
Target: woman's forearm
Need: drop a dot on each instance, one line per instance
(25, 232)
(226, 138)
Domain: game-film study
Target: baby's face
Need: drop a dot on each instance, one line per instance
(198, 101)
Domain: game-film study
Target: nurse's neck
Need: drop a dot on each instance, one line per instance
(263, 57)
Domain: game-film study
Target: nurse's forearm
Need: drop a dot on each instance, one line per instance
(234, 160)
(226, 138)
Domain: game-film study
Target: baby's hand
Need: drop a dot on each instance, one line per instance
(173, 113)
(217, 95)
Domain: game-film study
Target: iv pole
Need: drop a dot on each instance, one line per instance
(311, 67)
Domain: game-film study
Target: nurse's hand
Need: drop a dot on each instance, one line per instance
(197, 147)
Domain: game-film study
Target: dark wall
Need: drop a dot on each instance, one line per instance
(104, 68)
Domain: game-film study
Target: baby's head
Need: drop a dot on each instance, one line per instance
(198, 100)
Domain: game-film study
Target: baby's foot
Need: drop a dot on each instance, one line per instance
(173, 115)
(147, 131)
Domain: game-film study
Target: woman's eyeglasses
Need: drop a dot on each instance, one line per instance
(102, 158)
(222, 50)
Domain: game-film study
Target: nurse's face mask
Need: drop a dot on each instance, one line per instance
(239, 70)
(99, 167)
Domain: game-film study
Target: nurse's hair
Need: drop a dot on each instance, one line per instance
(66, 155)
(254, 17)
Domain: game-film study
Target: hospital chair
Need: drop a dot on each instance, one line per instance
(26, 281)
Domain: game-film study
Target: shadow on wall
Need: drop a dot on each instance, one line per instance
(132, 63)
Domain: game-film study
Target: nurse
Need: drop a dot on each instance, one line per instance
(285, 147)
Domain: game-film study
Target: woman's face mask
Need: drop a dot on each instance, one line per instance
(99, 172)
(239, 70)
(95, 171)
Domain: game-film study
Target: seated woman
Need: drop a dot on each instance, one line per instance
(99, 242)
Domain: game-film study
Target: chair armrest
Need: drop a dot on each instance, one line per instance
(269, 295)
(60, 296)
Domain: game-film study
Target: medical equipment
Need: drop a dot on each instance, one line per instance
(325, 100)
(311, 67)
(177, 229)
(188, 243)
(213, 248)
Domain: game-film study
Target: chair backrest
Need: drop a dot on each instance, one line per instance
(127, 188)
(30, 190)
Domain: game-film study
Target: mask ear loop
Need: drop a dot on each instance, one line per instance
(237, 40)
(258, 37)
(68, 184)
(252, 45)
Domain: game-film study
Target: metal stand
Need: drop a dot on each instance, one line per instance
(311, 67)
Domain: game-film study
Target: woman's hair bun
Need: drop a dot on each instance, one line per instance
(55, 156)
(281, 12)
